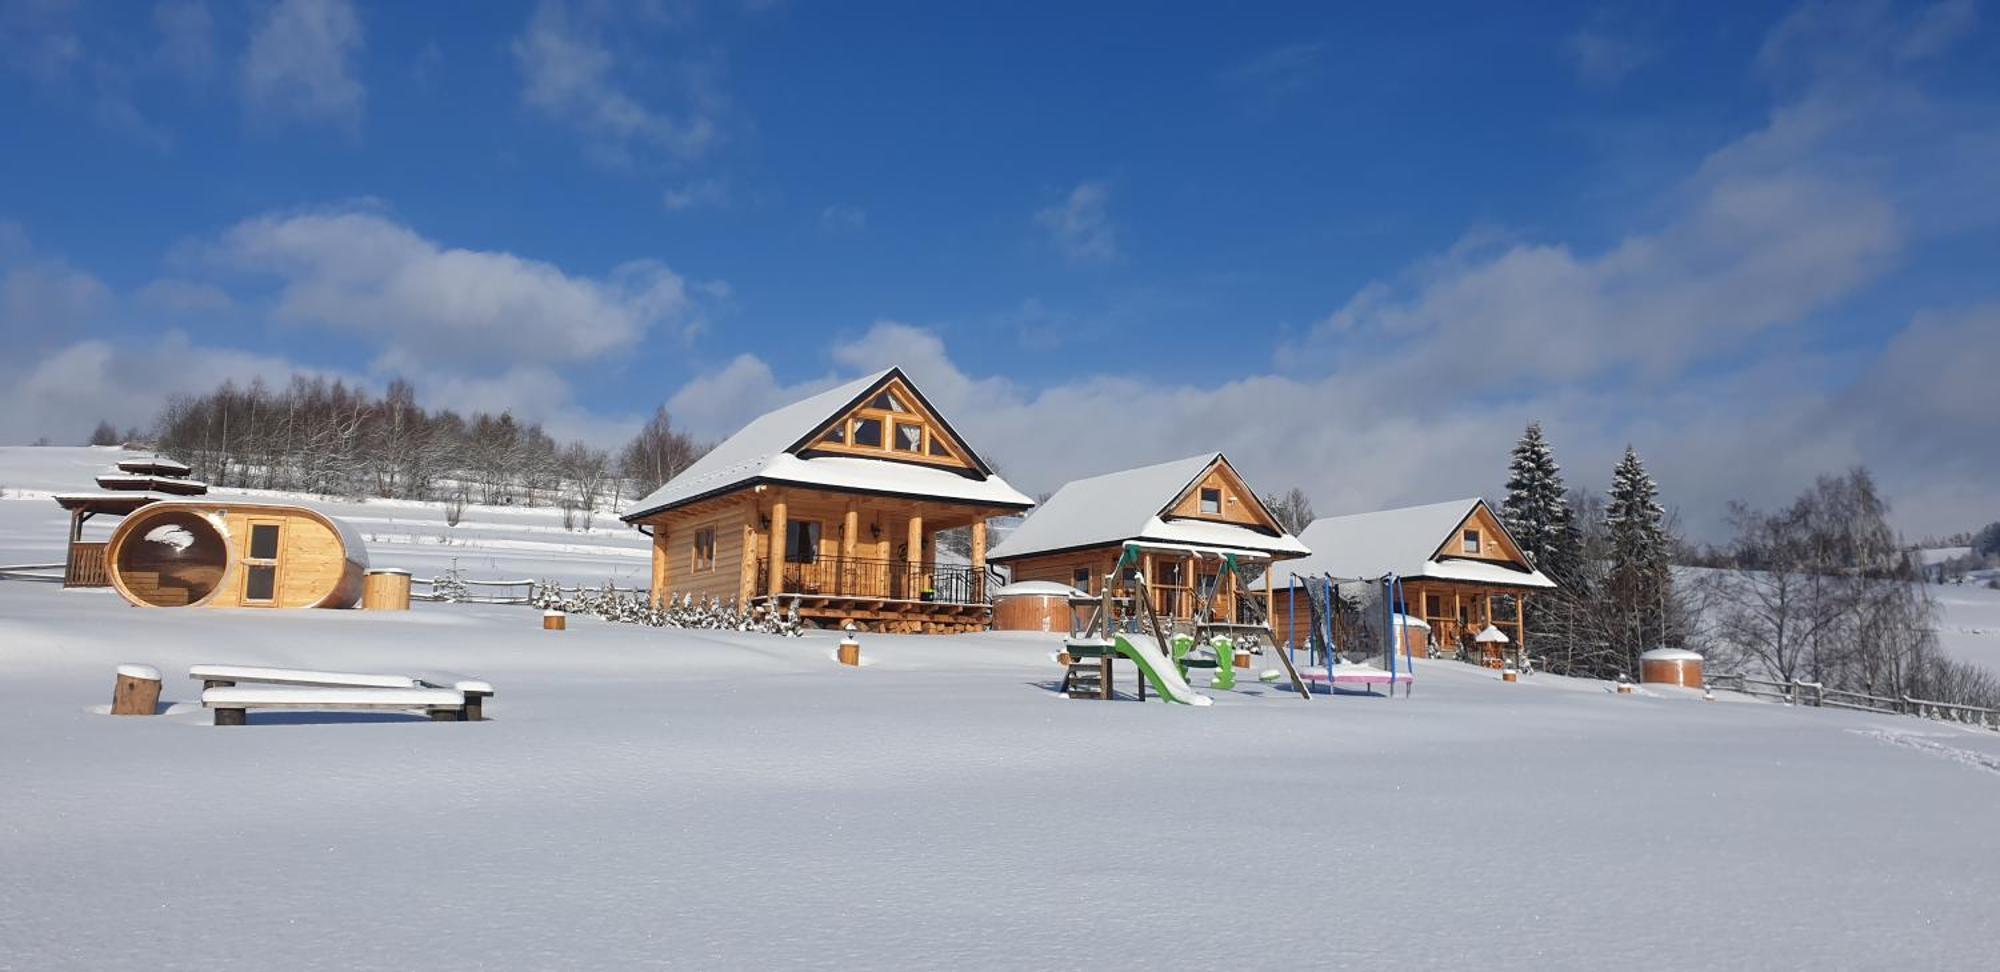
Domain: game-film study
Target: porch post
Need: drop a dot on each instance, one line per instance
(850, 528)
(979, 559)
(662, 569)
(1155, 595)
(776, 580)
(916, 557)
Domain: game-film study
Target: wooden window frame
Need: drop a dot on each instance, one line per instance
(253, 564)
(703, 560)
(1201, 501)
(1083, 572)
(896, 437)
(1470, 542)
(815, 529)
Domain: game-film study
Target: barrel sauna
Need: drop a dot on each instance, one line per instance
(235, 554)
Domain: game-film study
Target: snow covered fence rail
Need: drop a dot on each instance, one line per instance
(455, 589)
(51, 573)
(1818, 695)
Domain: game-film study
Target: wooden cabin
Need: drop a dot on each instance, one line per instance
(1182, 516)
(835, 503)
(230, 553)
(1461, 571)
(133, 484)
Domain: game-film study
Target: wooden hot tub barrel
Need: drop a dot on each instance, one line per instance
(1671, 666)
(1033, 606)
(386, 589)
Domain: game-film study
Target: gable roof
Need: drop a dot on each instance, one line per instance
(762, 452)
(1128, 505)
(1405, 542)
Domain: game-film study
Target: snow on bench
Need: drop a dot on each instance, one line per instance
(475, 690)
(213, 676)
(232, 704)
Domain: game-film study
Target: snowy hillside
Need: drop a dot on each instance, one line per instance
(489, 542)
(649, 797)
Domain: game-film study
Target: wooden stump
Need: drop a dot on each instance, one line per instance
(1509, 675)
(554, 621)
(137, 691)
(850, 652)
(1242, 659)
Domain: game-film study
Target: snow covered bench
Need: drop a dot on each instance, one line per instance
(232, 703)
(295, 688)
(214, 676)
(475, 690)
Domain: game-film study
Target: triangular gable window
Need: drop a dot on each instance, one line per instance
(889, 424)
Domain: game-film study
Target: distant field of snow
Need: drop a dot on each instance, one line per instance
(489, 543)
(1969, 622)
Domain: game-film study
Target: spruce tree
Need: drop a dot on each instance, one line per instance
(1538, 514)
(1638, 585)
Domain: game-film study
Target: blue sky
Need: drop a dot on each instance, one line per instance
(1355, 249)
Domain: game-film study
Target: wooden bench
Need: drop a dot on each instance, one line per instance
(232, 703)
(338, 690)
(217, 676)
(475, 690)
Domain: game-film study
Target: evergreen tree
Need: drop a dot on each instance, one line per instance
(1537, 512)
(1638, 583)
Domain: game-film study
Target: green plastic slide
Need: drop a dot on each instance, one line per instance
(1159, 670)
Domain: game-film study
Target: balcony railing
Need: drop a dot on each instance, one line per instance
(894, 580)
(86, 565)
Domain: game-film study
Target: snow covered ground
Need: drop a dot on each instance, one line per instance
(1969, 622)
(657, 797)
(649, 796)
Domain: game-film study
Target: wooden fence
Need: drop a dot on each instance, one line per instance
(1818, 695)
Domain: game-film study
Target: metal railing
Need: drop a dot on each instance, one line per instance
(1815, 694)
(891, 580)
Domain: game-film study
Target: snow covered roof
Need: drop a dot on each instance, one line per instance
(1402, 542)
(762, 451)
(1127, 505)
(157, 464)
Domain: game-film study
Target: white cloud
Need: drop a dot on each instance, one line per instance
(570, 74)
(65, 394)
(702, 193)
(362, 274)
(299, 66)
(1080, 225)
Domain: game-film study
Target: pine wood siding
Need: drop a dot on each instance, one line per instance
(1493, 543)
(1061, 567)
(314, 568)
(1239, 505)
(674, 551)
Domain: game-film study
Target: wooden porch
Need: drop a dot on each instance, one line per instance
(1458, 612)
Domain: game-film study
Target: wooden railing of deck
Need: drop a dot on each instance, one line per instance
(86, 567)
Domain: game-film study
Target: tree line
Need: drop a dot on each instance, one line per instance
(1820, 590)
(335, 439)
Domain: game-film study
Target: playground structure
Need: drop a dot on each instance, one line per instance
(1122, 622)
(1358, 633)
